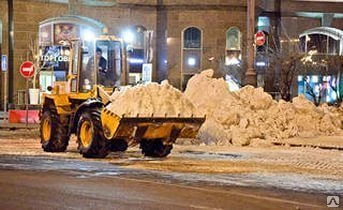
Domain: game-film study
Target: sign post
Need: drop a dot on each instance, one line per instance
(4, 63)
(27, 70)
(4, 70)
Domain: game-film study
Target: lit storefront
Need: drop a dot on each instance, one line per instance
(322, 80)
(324, 88)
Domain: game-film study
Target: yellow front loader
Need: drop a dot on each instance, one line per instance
(79, 106)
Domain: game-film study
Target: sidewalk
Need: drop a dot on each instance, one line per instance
(323, 142)
(14, 126)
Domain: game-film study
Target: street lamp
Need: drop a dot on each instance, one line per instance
(88, 35)
(250, 74)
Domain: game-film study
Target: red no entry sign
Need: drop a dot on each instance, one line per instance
(260, 38)
(27, 69)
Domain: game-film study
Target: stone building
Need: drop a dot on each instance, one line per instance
(204, 23)
(310, 27)
(187, 36)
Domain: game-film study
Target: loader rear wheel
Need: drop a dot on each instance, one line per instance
(54, 135)
(90, 135)
(155, 148)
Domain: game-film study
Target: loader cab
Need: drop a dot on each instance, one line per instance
(96, 63)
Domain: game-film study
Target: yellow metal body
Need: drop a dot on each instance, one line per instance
(116, 127)
(62, 100)
(110, 122)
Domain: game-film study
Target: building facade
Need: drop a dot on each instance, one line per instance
(185, 36)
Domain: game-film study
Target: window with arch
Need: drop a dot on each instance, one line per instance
(323, 44)
(191, 53)
(233, 51)
(324, 40)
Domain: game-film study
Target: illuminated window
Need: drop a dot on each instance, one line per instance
(191, 53)
(233, 39)
(263, 23)
(233, 47)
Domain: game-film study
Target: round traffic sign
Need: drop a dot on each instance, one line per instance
(260, 38)
(27, 69)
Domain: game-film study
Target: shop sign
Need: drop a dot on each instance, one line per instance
(52, 58)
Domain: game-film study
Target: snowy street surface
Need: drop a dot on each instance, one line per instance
(313, 171)
(261, 176)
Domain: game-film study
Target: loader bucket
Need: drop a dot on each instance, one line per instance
(169, 128)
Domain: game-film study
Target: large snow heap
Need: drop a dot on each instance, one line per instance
(232, 117)
(251, 114)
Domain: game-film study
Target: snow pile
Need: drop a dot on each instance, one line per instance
(237, 118)
(251, 114)
(145, 100)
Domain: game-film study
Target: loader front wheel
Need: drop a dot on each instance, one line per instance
(90, 135)
(155, 148)
(54, 135)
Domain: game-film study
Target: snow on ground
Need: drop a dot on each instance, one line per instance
(298, 168)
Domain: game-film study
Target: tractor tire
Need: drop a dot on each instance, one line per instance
(118, 145)
(90, 135)
(155, 148)
(54, 135)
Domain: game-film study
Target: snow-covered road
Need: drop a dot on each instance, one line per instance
(293, 168)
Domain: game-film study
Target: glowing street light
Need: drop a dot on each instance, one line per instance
(128, 36)
(88, 35)
(191, 61)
